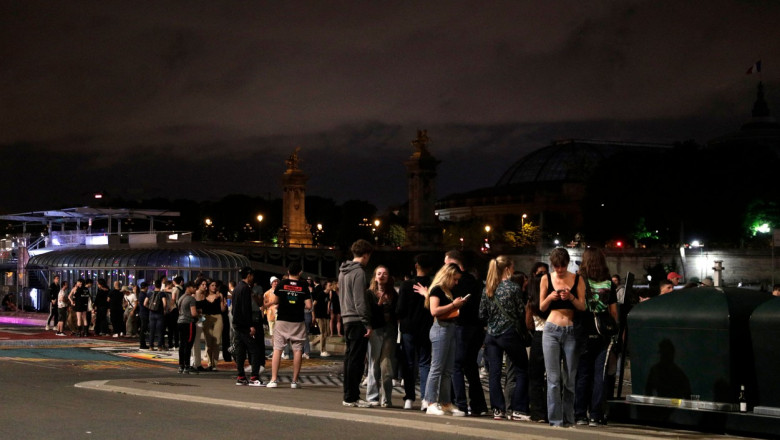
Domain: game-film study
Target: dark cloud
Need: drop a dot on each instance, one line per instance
(151, 91)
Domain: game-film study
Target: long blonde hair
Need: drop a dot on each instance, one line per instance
(444, 279)
(496, 270)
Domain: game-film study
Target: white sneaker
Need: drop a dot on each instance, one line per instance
(46, 328)
(373, 403)
(520, 417)
(408, 404)
(435, 410)
(424, 405)
(115, 335)
(294, 385)
(284, 356)
(451, 409)
(360, 403)
(305, 356)
(324, 354)
(272, 384)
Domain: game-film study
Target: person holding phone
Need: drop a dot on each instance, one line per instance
(444, 308)
(561, 292)
(503, 309)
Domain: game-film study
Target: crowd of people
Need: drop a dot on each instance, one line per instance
(543, 338)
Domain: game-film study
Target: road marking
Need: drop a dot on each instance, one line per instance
(440, 425)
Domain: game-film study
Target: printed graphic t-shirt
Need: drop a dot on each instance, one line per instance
(292, 296)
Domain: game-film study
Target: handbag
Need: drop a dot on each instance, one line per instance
(449, 316)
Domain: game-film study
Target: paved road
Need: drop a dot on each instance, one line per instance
(72, 389)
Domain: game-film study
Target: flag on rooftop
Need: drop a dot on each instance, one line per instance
(754, 68)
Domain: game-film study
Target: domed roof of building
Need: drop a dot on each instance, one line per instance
(567, 160)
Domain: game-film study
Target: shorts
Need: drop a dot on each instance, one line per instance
(292, 332)
(62, 314)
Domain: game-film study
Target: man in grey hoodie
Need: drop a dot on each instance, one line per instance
(356, 315)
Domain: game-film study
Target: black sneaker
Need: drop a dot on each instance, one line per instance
(582, 422)
(596, 422)
(498, 414)
(241, 380)
(181, 370)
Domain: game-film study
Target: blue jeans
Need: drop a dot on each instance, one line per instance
(560, 344)
(417, 354)
(439, 385)
(495, 346)
(589, 388)
(468, 341)
(156, 328)
(381, 351)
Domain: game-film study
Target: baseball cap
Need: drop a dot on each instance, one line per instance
(274, 279)
(673, 275)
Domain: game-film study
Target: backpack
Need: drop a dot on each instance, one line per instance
(156, 302)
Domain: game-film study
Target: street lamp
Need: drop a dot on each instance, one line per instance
(259, 227)
(374, 231)
(522, 220)
(317, 234)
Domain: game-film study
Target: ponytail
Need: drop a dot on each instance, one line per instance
(496, 270)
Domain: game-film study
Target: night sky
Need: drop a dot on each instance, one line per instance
(198, 100)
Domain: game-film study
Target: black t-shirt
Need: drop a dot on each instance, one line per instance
(443, 300)
(101, 298)
(292, 296)
(321, 308)
(115, 298)
(469, 312)
(81, 298)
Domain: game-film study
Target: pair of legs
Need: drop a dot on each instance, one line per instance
(324, 325)
(247, 346)
(510, 343)
(293, 333)
(468, 341)
(54, 317)
(417, 353)
(537, 384)
(61, 318)
(589, 391)
(354, 357)
(156, 329)
(335, 324)
(381, 351)
(81, 322)
(560, 360)
(438, 389)
(212, 333)
(186, 339)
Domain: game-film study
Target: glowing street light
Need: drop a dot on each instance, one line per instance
(209, 222)
(522, 220)
(259, 227)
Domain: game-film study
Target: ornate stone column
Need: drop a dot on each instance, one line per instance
(294, 231)
(422, 231)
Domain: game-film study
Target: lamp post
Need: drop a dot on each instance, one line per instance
(260, 227)
(374, 231)
(522, 220)
(317, 233)
(209, 225)
(487, 238)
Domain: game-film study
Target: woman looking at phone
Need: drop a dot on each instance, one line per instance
(561, 292)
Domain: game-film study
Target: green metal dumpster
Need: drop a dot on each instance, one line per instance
(765, 333)
(691, 348)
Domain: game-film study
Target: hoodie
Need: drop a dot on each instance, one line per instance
(353, 295)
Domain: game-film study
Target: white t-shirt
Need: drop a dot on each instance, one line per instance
(131, 300)
(62, 299)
